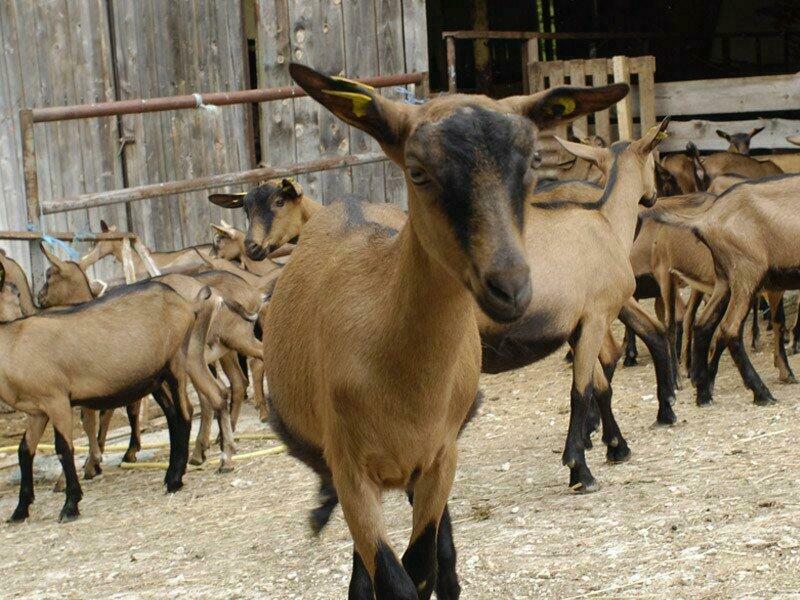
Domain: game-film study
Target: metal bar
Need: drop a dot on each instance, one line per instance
(451, 64)
(144, 105)
(68, 236)
(157, 190)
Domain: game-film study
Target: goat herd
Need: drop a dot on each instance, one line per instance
(373, 335)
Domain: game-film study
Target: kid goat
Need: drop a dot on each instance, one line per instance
(371, 345)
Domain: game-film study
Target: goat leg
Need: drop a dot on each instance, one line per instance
(617, 450)
(653, 335)
(631, 353)
(134, 410)
(778, 318)
(259, 398)
(92, 466)
(65, 451)
(25, 453)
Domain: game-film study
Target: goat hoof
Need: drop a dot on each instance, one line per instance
(194, 460)
(764, 399)
(581, 480)
(703, 399)
(789, 379)
(619, 453)
(130, 456)
(263, 414)
(18, 516)
(447, 587)
(225, 467)
(68, 514)
(630, 361)
(666, 417)
(174, 486)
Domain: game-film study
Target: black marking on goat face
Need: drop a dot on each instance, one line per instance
(259, 205)
(469, 153)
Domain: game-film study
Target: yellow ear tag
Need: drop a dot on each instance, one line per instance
(565, 102)
(360, 101)
(662, 135)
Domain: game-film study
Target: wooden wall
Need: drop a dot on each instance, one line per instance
(55, 53)
(354, 38)
(59, 52)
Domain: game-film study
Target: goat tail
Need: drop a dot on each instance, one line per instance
(671, 218)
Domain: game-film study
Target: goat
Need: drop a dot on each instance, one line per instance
(681, 168)
(731, 163)
(578, 294)
(281, 208)
(739, 143)
(228, 244)
(163, 260)
(232, 330)
(102, 354)
(371, 345)
(750, 231)
(15, 276)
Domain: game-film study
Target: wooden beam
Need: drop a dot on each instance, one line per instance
(624, 113)
(703, 134)
(451, 65)
(67, 236)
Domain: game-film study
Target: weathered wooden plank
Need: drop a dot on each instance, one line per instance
(274, 53)
(361, 60)
(577, 77)
(599, 68)
(646, 95)
(703, 134)
(624, 112)
(740, 94)
(392, 59)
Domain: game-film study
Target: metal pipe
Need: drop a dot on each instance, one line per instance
(156, 190)
(144, 105)
(67, 236)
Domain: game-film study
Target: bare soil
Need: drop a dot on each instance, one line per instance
(706, 509)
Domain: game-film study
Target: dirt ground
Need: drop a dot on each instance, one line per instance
(706, 509)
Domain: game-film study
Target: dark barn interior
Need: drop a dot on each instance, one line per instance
(690, 39)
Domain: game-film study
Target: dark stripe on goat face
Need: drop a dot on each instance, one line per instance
(477, 157)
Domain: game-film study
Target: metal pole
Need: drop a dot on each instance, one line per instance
(32, 206)
(144, 105)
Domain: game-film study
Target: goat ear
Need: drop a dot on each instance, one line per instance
(653, 137)
(2, 276)
(221, 229)
(756, 131)
(357, 104)
(228, 200)
(593, 154)
(793, 139)
(52, 258)
(103, 226)
(291, 188)
(564, 104)
(723, 135)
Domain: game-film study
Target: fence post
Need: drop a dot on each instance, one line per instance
(622, 74)
(32, 205)
(451, 64)
(422, 90)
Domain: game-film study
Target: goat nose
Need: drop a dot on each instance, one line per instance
(510, 292)
(253, 250)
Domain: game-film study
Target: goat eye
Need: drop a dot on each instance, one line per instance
(280, 202)
(536, 160)
(418, 176)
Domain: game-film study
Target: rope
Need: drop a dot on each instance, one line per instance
(408, 95)
(198, 101)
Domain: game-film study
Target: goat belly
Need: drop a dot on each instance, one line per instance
(117, 397)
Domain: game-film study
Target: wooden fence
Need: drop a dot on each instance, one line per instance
(64, 52)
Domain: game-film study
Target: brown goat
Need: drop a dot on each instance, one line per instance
(681, 168)
(103, 354)
(579, 292)
(279, 208)
(739, 142)
(232, 330)
(731, 163)
(751, 233)
(370, 344)
(15, 276)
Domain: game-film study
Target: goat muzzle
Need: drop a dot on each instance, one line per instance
(505, 294)
(255, 251)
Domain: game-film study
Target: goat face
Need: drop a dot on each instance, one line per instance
(273, 211)
(739, 142)
(467, 162)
